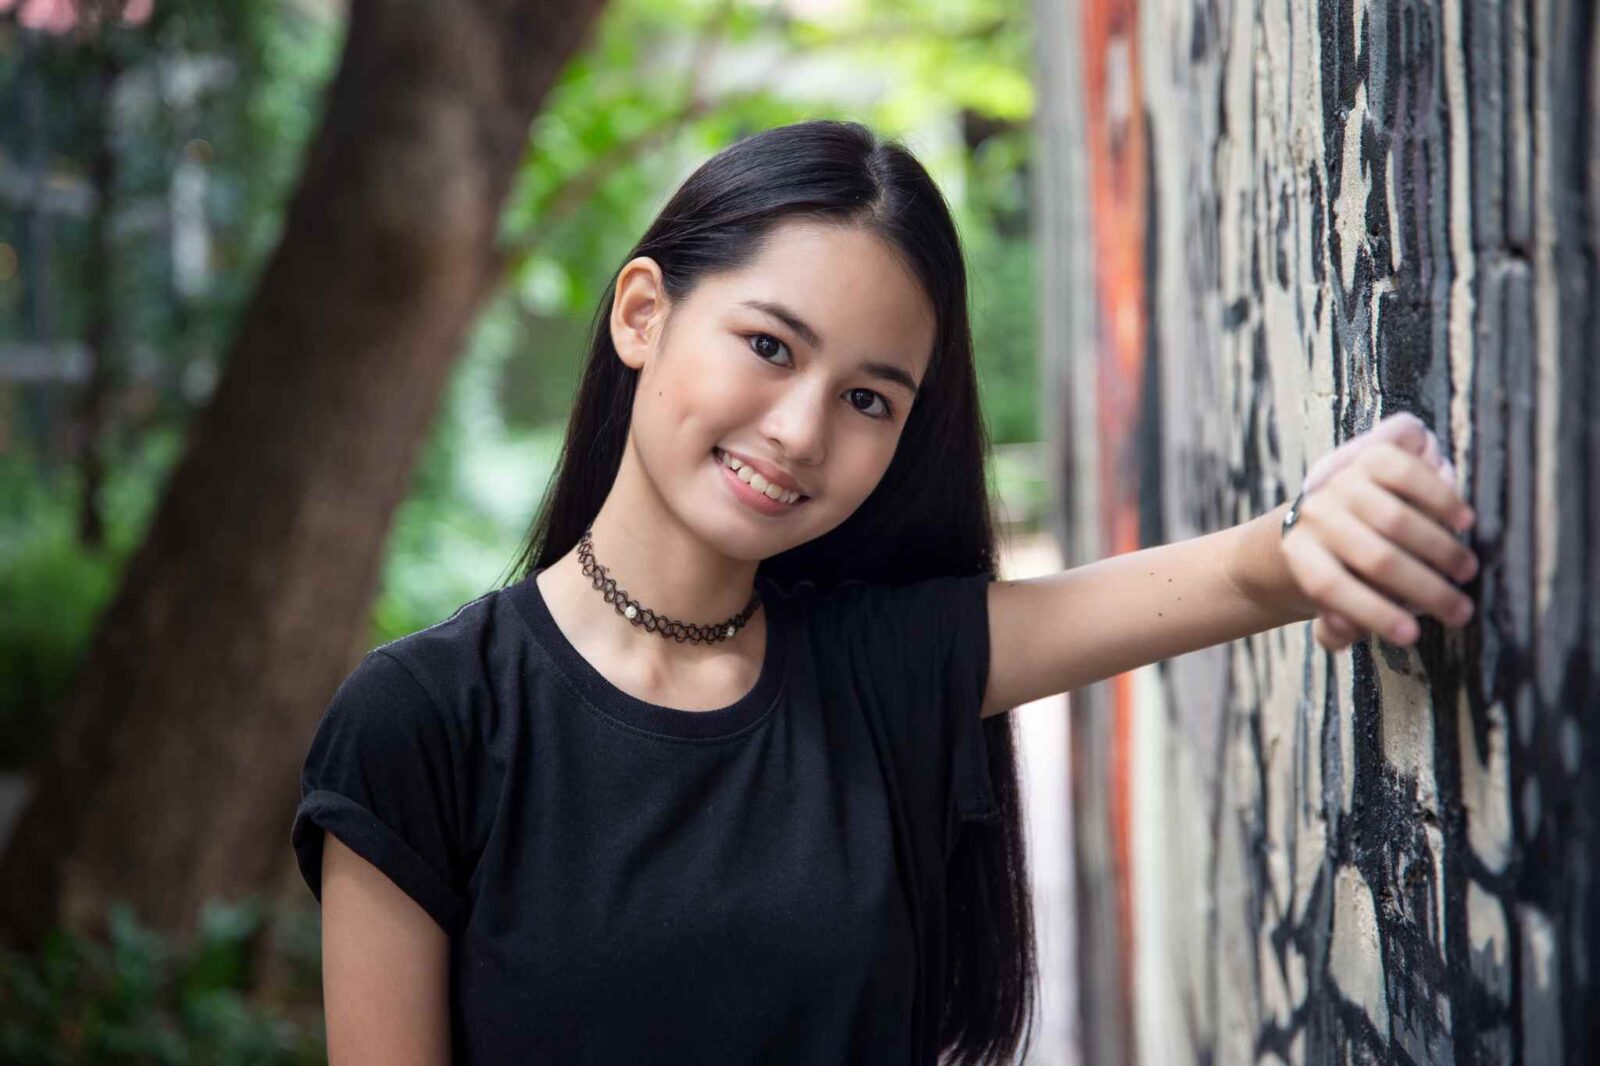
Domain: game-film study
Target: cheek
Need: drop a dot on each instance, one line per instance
(693, 403)
(725, 375)
(857, 464)
(685, 389)
(718, 393)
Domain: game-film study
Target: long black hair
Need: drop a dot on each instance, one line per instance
(929, 516)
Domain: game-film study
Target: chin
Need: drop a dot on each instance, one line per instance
(773, 544)
(756, 545)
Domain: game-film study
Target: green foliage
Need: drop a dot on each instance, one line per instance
(632, 115)
(215, 97)
(1018, 477)
(50, 596)
(622, 126)
(137, 997)
(52, 588)
(476, 486)
(1002, 282)
(648, 102)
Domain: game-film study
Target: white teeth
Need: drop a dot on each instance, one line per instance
(746, 474)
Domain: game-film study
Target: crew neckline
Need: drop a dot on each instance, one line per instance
(642, 714)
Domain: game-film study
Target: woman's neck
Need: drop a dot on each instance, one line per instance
(661, 563)
(661, 566)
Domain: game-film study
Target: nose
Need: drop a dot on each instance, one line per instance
(797, 423)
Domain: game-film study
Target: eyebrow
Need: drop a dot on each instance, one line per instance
(875, 368)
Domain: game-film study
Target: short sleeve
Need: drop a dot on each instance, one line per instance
(924, 655)
(381, 776)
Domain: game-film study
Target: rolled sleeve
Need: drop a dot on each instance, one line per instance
(381, 775)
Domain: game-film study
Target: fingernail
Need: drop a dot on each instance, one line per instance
(1467, 570)
(1465, 519)
(1404, 632)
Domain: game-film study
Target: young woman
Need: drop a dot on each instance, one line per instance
(725, 775)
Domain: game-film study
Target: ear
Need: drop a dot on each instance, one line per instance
(638, 310)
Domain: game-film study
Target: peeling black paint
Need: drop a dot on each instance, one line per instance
(1521, 273)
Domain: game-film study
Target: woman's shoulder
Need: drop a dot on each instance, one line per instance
(462, 628)
(452, 660)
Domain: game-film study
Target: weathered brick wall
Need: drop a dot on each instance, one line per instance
(1345, 209)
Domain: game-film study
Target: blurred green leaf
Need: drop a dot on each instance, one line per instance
(138, 997)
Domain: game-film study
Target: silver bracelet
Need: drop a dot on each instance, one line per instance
(1293, 515)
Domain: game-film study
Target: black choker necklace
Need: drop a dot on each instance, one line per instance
(643, 616)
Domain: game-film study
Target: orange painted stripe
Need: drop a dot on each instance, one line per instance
(1117, 182)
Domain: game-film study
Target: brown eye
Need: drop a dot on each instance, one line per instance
(768, 350)
(885, 410)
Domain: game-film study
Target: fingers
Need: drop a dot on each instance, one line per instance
(1407, 475)
(1334, 631)
(1387, 540)
(1329, 464)
(1327, 579)
(1402, 429)
(1388, 567)
(1430, 450)
(1435, 456)
(1400, 522)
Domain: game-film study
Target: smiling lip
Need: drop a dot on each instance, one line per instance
(773, 475)
(747, 494)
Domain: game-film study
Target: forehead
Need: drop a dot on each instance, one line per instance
(844, 282)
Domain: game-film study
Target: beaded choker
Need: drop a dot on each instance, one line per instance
(642, 616)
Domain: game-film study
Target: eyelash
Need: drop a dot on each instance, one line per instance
(888, 408)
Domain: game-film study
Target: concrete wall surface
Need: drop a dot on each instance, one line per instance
(1280, 222)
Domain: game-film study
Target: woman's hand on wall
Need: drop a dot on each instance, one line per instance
(1376, 534)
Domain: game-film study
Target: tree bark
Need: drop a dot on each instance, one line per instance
(1386, 854)
(175, 770)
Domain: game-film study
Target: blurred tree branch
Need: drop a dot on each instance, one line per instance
(578, 188)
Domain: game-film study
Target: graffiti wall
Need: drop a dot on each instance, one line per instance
(1279, 222)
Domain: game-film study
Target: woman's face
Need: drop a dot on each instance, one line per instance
(802, 365)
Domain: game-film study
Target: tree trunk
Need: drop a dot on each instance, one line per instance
(1386, 854)
(175, 770)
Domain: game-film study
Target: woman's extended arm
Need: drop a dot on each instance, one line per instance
(1377, 534)
(385, 976)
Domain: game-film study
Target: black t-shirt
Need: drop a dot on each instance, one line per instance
(624, 882)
